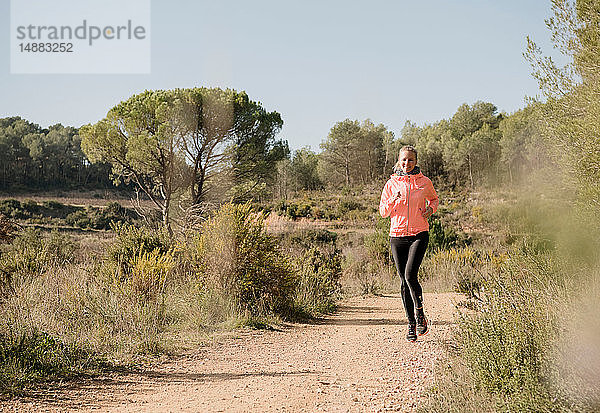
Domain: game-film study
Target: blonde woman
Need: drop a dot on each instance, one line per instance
(409, 198)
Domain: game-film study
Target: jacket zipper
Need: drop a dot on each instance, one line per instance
(408, 209)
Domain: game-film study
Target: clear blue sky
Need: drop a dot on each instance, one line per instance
(315, 62)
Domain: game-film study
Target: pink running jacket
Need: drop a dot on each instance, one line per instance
(416, 193)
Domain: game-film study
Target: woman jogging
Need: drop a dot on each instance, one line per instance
(409, 199)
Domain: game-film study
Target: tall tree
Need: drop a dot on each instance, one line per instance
(390, 148)
(572, 110)
(353, 152)
(481, 151)
(283, 179)
(303, 169)
(14, 155)
(56, 155)
(255, 150)
(33, 157)
(370, 150)
(175, 140)
(223, 133)
(429, 142)
(521, 144)
(464, 144)
(139, 139)
(340, 149)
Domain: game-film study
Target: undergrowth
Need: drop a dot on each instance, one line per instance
(521, 294)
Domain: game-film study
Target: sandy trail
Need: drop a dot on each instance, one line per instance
(356, 360)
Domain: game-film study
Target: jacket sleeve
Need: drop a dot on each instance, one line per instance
(431, 196)
(388, 200)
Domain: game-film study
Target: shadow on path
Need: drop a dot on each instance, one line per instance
(80, 393)
(374, 322)
(361, 322)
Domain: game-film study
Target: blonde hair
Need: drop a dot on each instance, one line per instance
(406, 148)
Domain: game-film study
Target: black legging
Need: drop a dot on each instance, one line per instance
(408, 253)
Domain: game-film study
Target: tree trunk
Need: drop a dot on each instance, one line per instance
(347, 173)
(166, 218)
(470, 172)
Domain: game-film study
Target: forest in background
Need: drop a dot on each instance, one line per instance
(34, 158)
(477, 146)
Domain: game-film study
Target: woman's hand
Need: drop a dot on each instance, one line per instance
(428, 212)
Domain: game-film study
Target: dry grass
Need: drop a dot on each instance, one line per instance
(365, 275)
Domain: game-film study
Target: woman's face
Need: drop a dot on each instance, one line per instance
(408, 161)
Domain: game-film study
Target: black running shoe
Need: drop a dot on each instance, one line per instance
(412, 333)
(422, 324)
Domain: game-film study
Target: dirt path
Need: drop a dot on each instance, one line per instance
(356, 360)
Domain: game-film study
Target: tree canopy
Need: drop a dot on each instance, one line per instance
(354, 152)
(573, 108)
(171, 142)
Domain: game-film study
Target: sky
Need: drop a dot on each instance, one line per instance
(314, 62)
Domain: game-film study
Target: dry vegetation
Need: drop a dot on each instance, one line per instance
(523, 285)
(84, 301)
(76, 302)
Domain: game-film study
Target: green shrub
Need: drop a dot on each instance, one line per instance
(460, 269)
(502, 356)
(139, 266)
(13, 209)
(31, 206)
(54, 209)
(347, 205)
(236, 259)
(331, 209)
(88, 217)
(112, 213)
(361, 215)
(8, 230)
(100, 218)
(30, 209)
(53, 205)
(79, 218)
(149, 274)
(130, 242)
(35, 355)
(295, 210)
(328, 212)
(512, 342)
(378, 243)
(308, 238)
(535, 224)
(32, 253)
(440, 237)
(509, 345)
(367, 271)
(318, 283)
